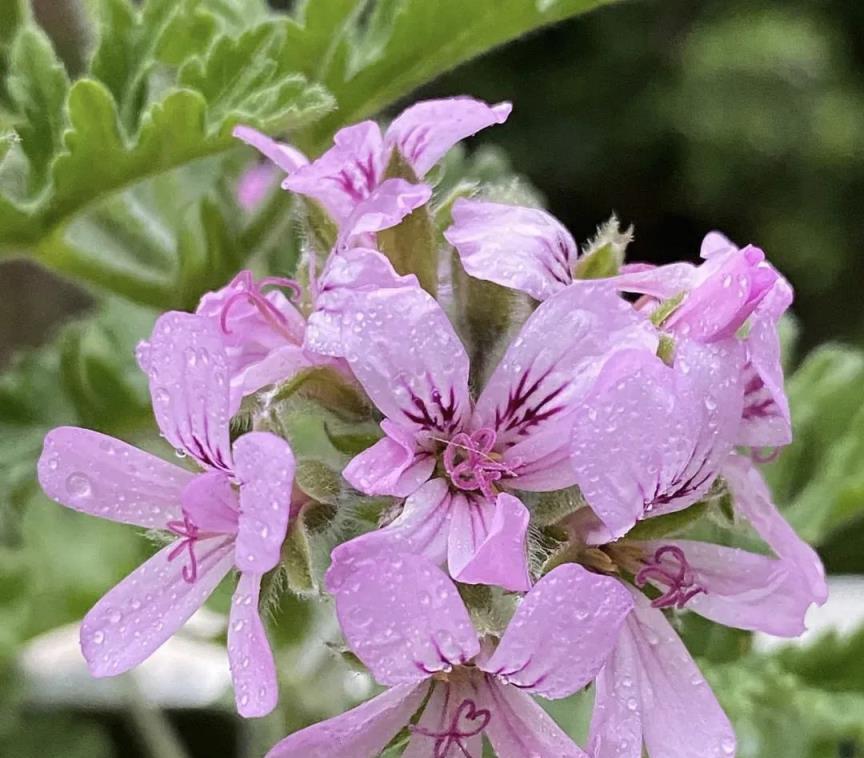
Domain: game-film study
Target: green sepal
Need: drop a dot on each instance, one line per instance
(666, 309)
(320, 229)
(670, 524)
(666, 349)
(296, 563)
(604, 254)
(318, 481)
(550, 507)
(411, 245)
(490, 608)
(327, 388)
(355, 441)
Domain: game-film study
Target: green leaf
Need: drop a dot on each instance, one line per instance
(820, 476)
(38, 87)
(405, 43)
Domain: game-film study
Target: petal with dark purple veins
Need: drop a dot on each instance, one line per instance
(562, 633)
(526, 249)
(187, 367)
(402, 616)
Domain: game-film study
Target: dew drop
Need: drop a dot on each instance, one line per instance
(78, 485)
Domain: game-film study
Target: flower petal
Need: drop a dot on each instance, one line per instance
(404, 351)
(553, 361)
(256, 690)
(211, 503)
(130, 622)
(518, 727)
(753, 500)
(362, 732)
(522, 248)
(402, 616)
(681, 716)
(96, 474)
(392, 466)
(487, 542)
(424, 132)
(420, 528)
(276, 367)
(286, 157)
(386, 206)
(766, 420)
(650, 439)
(187, 366)
(344, 175)
(265, 467)
(616, 723)
(347, 273)
(562, 633)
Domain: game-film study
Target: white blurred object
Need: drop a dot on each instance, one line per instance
(186, 672)
(843, 613)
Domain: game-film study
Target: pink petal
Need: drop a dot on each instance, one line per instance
(277, 366)
(387, 204)
(522, 248)
(715, 243)
(347, 274)
(551, 365)
(346, 174)
(265, 467)
(256, 690)
(402, 616)
(362, 732)
(729, 286)
(562, 633)
(766, 420)
(661, 282)
(518, 727)
(487, 543)
(130, 622)
(286, 157)
(616, 724)
(420, 528)
(651, 439)
(742, 589)
(96, 474)
(254, 185)
(424, 132)
(405, 353)
(753, 501)
(392, 466)
(681, 716)
(452, 708)
(554, 359)
(187, 366)
(211, 503)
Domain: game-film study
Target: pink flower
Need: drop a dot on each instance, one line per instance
(234, 514)
(454, 459)
(405, 620)
(650, 439)
(529, 250)
(650, 690)
(348, 180)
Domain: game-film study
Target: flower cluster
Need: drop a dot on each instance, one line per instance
(552, 461)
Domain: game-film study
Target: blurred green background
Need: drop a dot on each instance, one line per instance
(681, 116)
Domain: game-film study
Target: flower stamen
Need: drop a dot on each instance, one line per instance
(454, 735)
(189, 533)
(470, 463)
(680, 582)
(253, 292)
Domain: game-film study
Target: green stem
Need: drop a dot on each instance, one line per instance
(158, 737)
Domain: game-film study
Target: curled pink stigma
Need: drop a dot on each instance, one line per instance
(453, 735)
(189, 534)
(759, 457)
(681, 585)
(253, 292)
(469, 463)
